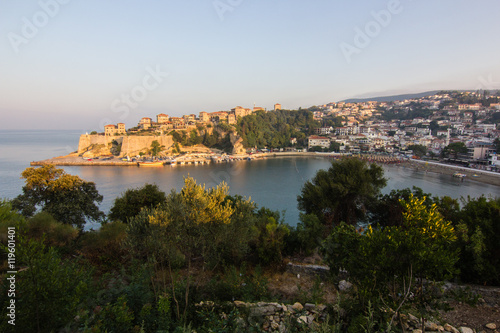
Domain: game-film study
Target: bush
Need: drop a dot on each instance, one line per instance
(382, 261)
(479, 236)
(48, 291)
(130, 203)
(103, 247)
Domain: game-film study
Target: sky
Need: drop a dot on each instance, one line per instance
(75, 64)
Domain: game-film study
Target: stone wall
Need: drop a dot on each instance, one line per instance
(131, 145)
(275, 317)
(88, 141)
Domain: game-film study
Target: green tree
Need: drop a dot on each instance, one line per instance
(453, 149)
(385, 262)
(342, 192)
(271, 234)
(192, 223)
(478, 226)
(334, 146)
(48, 291)
(130, 203)
(418, 150)
(387, 209)
(156, 148)
(66, 197)
(497, 145)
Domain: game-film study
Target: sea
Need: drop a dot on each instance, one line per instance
(274, 183)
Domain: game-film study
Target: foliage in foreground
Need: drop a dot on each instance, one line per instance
(66, 197)
(199, 244)
(388, 264)
(343, 192)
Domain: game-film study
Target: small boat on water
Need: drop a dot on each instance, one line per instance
(150, 164)
(475, 175)
(459, 175)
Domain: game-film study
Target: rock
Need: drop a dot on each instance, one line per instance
(345, 285)
(413, 320)
(464, 329)
(491, 326)
(262, 311)
(449, 328)
(309, 306)
(417, 331)
(321, 308)
(284, 308)
(297, 307)
(310, 319)
(430, 326)
(240, 322)
(240, 304)
(302, 320)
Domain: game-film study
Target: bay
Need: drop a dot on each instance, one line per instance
(273, 182)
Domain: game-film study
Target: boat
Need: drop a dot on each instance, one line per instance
(150, 164)
(475, 175)
(459, 175)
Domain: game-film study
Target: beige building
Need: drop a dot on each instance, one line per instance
(110, 130)
(121, 128)
(277, 106)
(241, 112)
(177, 122)
(215, 117)
(320, 141)
(161, 118)
(204, 117)
(145, 123)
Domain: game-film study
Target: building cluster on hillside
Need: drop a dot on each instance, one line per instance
(433, 122)
(444, 120)
(164, 123)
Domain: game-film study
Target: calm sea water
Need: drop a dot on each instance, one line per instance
(274, 183)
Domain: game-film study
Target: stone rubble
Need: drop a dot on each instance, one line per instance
(276, 317)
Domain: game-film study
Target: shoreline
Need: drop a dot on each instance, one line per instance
(477, 175)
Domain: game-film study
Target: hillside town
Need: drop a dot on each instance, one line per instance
(425, 127)
(431, 123)
(164, 123)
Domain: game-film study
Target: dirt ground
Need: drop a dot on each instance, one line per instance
(475, 317)
(303, 286)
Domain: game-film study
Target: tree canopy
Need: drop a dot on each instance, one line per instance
(68, 198)
(130, 203)
(418, 150)
(453, 149)
(342, 192)
(274, 129)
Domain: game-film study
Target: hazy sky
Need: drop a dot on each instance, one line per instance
(79, 64)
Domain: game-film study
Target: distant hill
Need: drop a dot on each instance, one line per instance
(392, 98)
